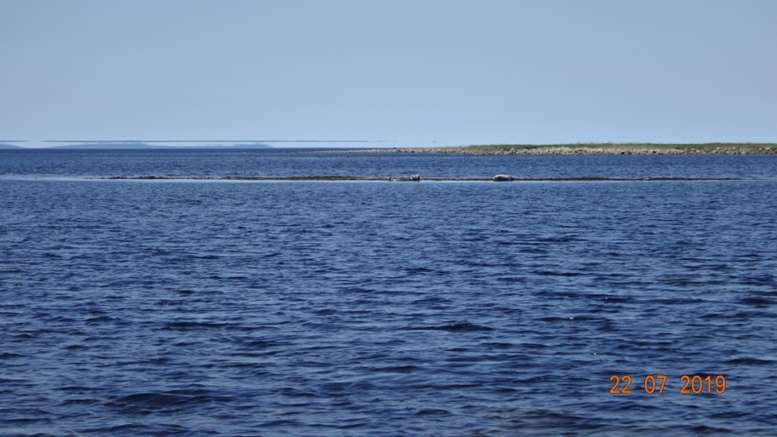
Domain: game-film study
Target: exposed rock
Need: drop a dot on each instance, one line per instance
(411, 178)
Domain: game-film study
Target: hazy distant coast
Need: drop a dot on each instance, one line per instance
(168, 145)
(181, 144)
(594, 149)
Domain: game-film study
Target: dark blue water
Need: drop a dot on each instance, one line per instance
(373, 308)
(43, 163)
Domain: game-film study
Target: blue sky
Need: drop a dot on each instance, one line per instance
(455, 72)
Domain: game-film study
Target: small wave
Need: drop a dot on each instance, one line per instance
(432, 411)
(80, 401)
(572, 319)
(9, 355)
(757, 301)
(556, 273)
(263, 344)
(705, 430)
(746, 361)
(455, 327)
(195, 325)
(143, 402)
(138, 429)
(395, 369)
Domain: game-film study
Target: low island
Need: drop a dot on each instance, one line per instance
(593, 149)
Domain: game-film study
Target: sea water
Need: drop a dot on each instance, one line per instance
(164, 307)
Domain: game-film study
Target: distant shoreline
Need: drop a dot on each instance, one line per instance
(590, 149)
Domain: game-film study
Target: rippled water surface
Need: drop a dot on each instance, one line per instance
(373, 308)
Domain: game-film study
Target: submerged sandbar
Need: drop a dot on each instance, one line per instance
(387, 179)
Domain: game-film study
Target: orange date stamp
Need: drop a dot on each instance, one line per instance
(692, 384)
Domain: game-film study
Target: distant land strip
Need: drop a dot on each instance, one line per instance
(434, 179)
(590, 149)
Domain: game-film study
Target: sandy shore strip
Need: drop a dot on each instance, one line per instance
(589, 149)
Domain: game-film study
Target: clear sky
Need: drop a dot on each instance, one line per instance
(453, 71)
